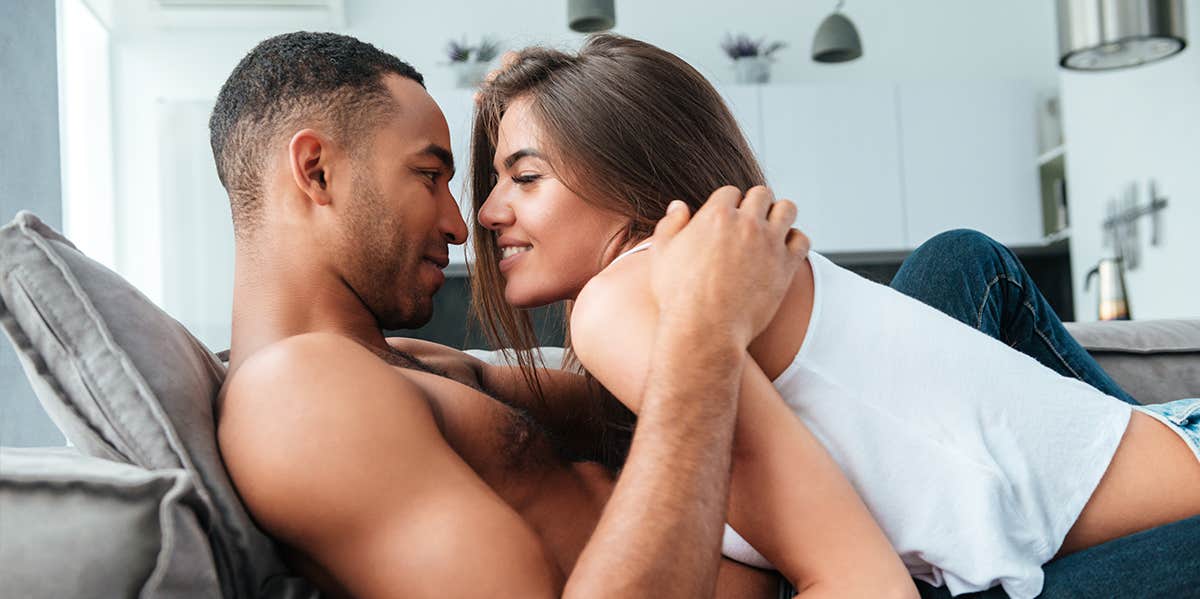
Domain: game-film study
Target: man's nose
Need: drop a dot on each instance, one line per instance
(454, 228)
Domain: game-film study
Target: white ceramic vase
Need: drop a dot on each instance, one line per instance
(752, 69)
(469, 74)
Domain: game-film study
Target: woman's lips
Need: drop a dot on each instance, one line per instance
(507, 262)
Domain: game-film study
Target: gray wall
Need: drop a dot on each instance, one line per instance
(29, 179)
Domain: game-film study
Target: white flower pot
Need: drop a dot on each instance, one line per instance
(469, 74)
(752, 69)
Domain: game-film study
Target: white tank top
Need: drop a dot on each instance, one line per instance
(974, 459)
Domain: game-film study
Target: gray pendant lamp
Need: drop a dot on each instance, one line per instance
(836, 39)
(1098, 35)
(590, 16)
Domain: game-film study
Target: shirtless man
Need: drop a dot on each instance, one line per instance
(397, 468)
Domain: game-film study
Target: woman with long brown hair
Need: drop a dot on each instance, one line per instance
(877, 438)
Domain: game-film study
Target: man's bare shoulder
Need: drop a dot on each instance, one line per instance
(301, 411)
(337, 454)
(314, 368)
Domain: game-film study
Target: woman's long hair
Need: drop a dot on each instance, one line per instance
(626, 126)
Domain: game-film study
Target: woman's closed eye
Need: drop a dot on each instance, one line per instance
(526, 178)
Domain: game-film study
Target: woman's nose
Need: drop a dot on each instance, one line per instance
(495, 212)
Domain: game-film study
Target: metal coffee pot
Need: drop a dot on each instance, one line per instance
(1114, 305)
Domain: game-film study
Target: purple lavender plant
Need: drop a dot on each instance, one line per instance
(458, 51)
(743, 46)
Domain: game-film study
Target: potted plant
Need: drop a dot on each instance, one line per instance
(470, 63)
(751, 58)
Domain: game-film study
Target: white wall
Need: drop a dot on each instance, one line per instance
(86, 121)
(1127, 127)
(29, 180)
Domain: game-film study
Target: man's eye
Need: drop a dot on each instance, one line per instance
(432, 175)
(493, 179)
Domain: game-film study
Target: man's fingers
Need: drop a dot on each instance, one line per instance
(782, 214)
(758, 201)
(797, 242)
(676, 218)
(726, 198)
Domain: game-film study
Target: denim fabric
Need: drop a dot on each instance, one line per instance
(980, 282)
(1160, 562)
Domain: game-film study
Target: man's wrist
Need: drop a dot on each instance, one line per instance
(680, 342)
(703, 330)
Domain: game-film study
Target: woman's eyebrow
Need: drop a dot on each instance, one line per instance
(519, 154)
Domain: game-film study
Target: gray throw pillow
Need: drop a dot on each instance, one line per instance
(126, 382)
(75, 525)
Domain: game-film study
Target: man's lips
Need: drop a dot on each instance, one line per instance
(441, 260)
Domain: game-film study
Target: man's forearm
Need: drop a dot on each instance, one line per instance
(661, 531)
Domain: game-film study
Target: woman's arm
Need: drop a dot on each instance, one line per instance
(788, 497)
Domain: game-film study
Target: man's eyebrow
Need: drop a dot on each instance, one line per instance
(519, 154)
(441, 154)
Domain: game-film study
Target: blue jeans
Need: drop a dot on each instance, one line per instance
(981, 283)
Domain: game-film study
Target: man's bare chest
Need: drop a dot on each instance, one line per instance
(505, 446)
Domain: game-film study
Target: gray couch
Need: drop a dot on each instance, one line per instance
(142, 506)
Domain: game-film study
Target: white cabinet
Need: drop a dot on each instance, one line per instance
(458, 105)
(833, 149)
(969, 153)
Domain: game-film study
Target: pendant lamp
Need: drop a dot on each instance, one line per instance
(590, 16)
(836, 39)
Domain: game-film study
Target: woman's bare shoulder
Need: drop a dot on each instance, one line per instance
(621, 287)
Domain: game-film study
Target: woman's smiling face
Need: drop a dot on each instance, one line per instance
(551, 242)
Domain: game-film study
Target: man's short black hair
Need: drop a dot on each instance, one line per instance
(288, 82)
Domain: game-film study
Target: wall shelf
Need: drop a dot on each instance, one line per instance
(1051, 154)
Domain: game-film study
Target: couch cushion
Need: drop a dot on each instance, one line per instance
(1154, 360)
(74, 524)
(126, 382)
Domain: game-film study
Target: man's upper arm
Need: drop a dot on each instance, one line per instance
(339, 456)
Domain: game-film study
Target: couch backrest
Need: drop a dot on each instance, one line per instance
(126, 382)
(1154, 360)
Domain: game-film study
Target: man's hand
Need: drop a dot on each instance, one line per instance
(729, 266)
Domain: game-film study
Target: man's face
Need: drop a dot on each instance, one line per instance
(400, 215)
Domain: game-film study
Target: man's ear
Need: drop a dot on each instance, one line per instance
(309, 156)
